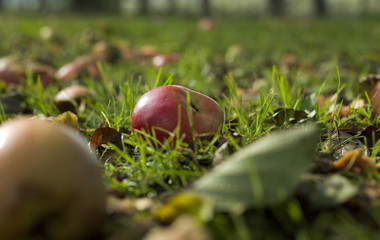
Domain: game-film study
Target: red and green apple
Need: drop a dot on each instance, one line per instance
(161, 110)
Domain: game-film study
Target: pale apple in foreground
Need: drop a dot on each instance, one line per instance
(50, 183)
(160, 110)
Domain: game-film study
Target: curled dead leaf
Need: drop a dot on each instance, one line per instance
(371, 134)
(68, 118)
(106, 135)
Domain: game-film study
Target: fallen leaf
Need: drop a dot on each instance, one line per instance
(106, 135)
(371, 134)
(329, 191)
(263, 173)
(355, 160)
(184, 203)
(343, 141)
(68, 118)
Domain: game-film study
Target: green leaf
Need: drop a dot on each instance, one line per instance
(327, 192)
(262, 174)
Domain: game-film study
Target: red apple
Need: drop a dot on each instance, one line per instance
(85, 64)
(13, 71)
(158, 111)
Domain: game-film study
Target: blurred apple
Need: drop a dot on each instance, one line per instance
(85, 64)
(44, 72)
(66, 97)
(205, 24)
(106, 52)
(160, 110)
(50, 183)
(13, 71)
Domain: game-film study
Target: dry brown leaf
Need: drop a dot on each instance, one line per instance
(355, 160)
(68, 118)
(106, 135)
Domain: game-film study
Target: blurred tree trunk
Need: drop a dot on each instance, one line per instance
(1, 5)
(42, 6)
(206, 8)
(320, 7)
(143, 7)
(365, 4)
(277, 7)
(94, 5)
(172, 9)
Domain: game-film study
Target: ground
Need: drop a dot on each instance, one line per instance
(269, 75)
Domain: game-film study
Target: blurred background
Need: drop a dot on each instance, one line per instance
(201, 7)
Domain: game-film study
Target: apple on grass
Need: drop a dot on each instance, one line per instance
(50, 183)
(161, 110)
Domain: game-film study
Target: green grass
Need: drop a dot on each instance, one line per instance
(246, 65)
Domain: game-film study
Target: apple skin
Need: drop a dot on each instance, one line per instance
(158, 108)
(63, 99)
(50, 183)
(85, 64)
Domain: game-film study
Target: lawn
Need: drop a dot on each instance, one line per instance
(300, 133)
